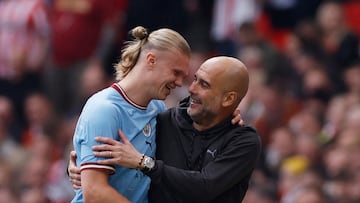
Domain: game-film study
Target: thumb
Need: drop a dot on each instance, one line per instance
(73, 156)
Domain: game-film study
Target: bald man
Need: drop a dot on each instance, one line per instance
(200, 156)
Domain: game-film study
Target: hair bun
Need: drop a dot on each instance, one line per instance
(139, 32)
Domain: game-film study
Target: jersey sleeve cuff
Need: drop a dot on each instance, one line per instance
(107, 168)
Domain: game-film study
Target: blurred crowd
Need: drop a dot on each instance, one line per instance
(304, 96)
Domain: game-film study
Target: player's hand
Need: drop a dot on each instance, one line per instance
(237, 118)
(74, 172)
(118, 153)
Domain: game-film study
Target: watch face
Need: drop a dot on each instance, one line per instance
(149, 162)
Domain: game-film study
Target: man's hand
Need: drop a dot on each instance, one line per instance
(119, 153)
(237, 118)
(74, 172)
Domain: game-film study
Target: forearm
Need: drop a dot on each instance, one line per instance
(104, 194)
(96, 188)
(214, 179)
(186, 183)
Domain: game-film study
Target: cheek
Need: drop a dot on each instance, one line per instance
(213, 102)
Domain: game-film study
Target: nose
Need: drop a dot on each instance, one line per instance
(179, 81)
(192, 88)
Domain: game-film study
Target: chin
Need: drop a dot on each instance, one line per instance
(191, 112)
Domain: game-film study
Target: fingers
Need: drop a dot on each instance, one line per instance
(106, 140)
(123, 137)
(76, 183)
(75, 176)
(236, 112)
(105, 154)
(72, 158)
(103, 147)
(241, 122)
(238, 120)
(72, 164)
(73, 155)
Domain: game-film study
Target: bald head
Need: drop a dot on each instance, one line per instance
(229, 73)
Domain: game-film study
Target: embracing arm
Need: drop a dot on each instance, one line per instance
(234, 165)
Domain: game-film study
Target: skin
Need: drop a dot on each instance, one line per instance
(223, 78)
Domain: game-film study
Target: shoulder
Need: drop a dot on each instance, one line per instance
(100, 107)
(246, 134)
(158, 105)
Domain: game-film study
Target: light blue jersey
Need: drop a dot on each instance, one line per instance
(103, 115)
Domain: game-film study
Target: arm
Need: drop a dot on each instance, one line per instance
(95, 183)
(101, 191)
(233, 165)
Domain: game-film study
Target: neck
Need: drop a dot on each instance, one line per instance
(135, 91)
(207, 124)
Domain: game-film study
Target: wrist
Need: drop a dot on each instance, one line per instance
(140, 163)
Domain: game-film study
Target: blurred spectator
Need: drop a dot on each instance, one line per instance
(33, 195)
(305, 123)
(228, 16)
(250, 106)
(278, 108)
(59, 188)
(291, 172)
(198, 25)
(82, 35)
(279, 17)
(8, 196)
(7, 177)
(308, 147)
(92, 80)
(281, 147)
(24, 39)
(34, 174)
(10, 151)
(38, 111)
(310, 194)
(248, 36)
(340, 45)
(351, 77)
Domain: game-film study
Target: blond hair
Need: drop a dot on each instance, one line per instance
(162, 39)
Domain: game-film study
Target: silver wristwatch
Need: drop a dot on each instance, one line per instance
(148, 164)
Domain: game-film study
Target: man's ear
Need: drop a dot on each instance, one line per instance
(229, 98)
(150, 58)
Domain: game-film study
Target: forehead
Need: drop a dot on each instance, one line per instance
(209, 72)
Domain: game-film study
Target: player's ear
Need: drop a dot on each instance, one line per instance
(150, 58)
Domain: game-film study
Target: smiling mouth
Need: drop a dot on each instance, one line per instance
(168, 87)
(194, 101)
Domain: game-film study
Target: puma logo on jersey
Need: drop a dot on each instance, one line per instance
(212, 153)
